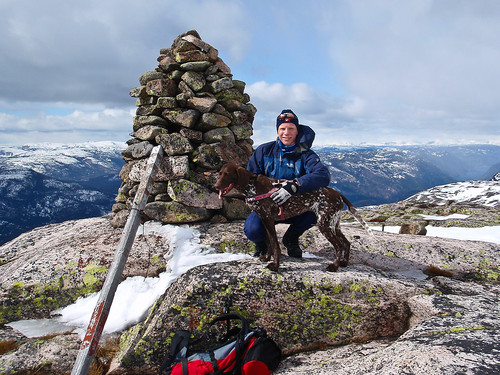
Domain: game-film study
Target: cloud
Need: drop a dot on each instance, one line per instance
(317, 109)
(67, 67)
(372, 71)
(302, 98)
(433, 55)
(75, 127)
(87, 52)
(350, 121)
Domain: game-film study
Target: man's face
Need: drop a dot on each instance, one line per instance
(287, 133)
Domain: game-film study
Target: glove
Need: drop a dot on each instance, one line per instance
(287, 189)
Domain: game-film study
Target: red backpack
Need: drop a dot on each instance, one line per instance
(239, 352)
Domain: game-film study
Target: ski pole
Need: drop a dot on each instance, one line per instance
(101, 311)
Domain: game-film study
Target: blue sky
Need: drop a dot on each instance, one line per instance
(358, 72)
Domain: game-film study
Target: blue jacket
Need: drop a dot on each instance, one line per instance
(302, 163)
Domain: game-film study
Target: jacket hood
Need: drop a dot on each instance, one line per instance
(305, 139)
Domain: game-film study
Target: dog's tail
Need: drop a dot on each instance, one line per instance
(356, 214)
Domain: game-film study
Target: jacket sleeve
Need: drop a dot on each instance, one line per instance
(317, 173)
(256, 162)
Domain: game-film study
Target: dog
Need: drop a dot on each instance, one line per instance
(325, 202)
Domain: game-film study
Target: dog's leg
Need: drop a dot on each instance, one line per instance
(327, 224)
(274, 246)
(346, 248)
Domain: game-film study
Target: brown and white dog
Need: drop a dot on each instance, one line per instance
(325, 202)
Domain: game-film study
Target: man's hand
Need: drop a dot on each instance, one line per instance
(287, 189)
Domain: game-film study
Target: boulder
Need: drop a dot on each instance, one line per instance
(186, 118)
(149, 76)
(192, 194)
(204, 105)
(140, 121)
(242, 131)
(234, 209)
(211, 121)
(303, 307)
(413, 228)
(174, 144)
(455, 334)
(372, 317)
(172, 167)
(51, 267)
(161, 87)
(175, 212)
(219, 135)
(196, 81)
(137, 151)
(214, 155)
(148, 132)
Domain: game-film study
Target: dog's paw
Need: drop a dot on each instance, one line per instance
(332, 267)
(273, 266)
(265, 258)
(344, 263)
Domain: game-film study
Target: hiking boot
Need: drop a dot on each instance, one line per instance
(260, 249)
(291, 242)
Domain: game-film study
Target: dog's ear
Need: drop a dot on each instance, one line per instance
(243, 177)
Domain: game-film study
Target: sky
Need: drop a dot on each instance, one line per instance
(135, 295)
(358, 72)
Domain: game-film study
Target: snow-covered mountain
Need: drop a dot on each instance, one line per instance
(476, 193)
(49, 183)
(375, 175)
(68, 162)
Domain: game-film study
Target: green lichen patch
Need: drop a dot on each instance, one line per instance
(294, 313)
(36, 301)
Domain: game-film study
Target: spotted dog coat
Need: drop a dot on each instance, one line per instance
(325, 202)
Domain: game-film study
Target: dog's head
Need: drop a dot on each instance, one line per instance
(232, 175)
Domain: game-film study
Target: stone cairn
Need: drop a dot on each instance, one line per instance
(191, 106)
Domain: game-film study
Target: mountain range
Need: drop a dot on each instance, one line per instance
(46, 184)
(50, 183)
(376, 175)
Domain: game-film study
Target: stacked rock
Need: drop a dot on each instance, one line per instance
(202, 118)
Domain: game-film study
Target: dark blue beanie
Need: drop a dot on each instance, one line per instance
(292, 118)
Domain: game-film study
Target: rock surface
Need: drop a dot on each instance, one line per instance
(379, 315)
(50, 267)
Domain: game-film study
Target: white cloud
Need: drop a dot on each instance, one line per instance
(77, 126)
(435, 55)
(95, 51)
(302, 98)
(371, 71)
(352, 121)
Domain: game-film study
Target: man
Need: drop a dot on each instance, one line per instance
(288, 158)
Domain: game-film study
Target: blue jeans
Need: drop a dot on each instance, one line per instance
(255, 231)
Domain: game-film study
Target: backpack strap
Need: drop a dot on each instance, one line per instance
(240, 339)
(215, 366)
(179, 342)
(184, 366)
(233, 316)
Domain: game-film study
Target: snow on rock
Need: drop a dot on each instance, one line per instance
(482, 193)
